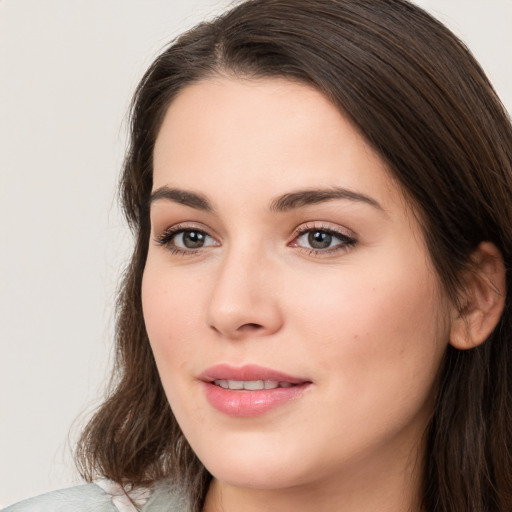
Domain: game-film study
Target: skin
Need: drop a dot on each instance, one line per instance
(366, 322)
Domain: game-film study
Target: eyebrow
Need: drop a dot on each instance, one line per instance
(307, 197)
(284, 203)
(192, 199)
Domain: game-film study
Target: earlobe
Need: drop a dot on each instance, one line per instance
(484, 299)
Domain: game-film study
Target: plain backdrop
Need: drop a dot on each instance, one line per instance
(67, 72)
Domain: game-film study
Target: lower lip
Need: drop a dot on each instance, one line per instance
(244, 403)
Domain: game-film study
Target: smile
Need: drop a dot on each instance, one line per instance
(251, 385)
(250, 390)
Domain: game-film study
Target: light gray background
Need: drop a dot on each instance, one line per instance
(67, 71)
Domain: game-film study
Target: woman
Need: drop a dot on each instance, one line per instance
(315, 315)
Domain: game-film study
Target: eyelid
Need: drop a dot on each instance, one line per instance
(323, 226)
(346, 236)
(165, 236)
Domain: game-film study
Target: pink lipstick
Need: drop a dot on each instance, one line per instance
(249, 390)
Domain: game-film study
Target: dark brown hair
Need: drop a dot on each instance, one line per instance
(421, 100)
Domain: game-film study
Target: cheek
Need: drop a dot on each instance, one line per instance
(379, 334)
(170, 314)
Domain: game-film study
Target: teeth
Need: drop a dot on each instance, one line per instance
(251, 385)
(222, 383)
(254, 385)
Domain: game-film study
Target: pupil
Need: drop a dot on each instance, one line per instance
(319, 239)
(193, 239)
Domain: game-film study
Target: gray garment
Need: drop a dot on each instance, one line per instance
(91, 498)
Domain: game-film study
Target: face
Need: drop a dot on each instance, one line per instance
(294, 315)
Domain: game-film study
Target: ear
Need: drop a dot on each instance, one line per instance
(484, 299)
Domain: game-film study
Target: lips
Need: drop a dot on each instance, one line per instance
(250, 390)
(251, 385)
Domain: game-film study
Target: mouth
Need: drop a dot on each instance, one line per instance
(249, 377)
(251, 385)
(250, 390)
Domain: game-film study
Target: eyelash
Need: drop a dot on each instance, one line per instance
(345, 243)
(166, 239)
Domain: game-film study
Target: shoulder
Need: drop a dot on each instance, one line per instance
(167, 497)
(106, 496)
(82, 498)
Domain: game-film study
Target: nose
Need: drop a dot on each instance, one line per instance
(244, 300)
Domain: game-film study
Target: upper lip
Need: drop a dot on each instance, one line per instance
(248, 372)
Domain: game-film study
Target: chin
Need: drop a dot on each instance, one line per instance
(256, 462)
(254, 476)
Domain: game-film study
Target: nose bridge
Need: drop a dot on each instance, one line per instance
(243, 298)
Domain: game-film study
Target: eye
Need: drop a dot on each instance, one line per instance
(321, 240)
(318, 239)
(191, 239)
(185, 240)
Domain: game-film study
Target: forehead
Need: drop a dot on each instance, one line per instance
(236, 135)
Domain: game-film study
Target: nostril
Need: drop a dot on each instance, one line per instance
(250, 327)
(243, 328)
(215, 329)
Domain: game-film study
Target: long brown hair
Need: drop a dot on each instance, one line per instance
(422, 101)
